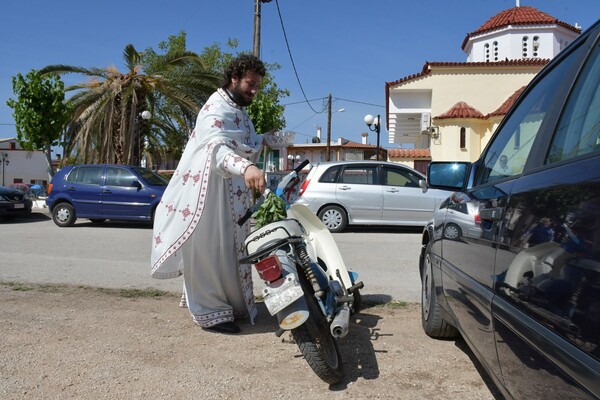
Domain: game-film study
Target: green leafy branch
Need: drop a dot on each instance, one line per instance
(271, 210)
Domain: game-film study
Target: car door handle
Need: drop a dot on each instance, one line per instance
(344, 187)
(393, 190)
(107, 191)
(491, 214)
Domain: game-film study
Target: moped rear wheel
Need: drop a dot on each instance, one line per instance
(317, 345)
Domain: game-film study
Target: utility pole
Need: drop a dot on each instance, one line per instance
(328, 155)
(256, 47)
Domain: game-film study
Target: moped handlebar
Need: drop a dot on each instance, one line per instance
(301, 166)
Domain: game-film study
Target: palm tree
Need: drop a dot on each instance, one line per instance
(106, 125)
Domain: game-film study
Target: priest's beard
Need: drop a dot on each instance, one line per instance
(240, 97)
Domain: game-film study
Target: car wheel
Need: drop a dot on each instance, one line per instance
(431, 312)
(452, 232)
(97, 220)
(63, 215)
(334, 218)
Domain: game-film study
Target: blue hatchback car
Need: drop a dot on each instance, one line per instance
(104, 191)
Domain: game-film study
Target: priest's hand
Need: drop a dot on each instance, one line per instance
(255, 178)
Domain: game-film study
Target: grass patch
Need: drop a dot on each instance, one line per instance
(58, 288)
(381, 303)
(396, 304)
(367, 301)
(135, 293)
(17, 287)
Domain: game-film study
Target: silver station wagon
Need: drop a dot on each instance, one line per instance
(346, 193)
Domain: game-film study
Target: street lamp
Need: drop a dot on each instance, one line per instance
(293, 159)
(374, 125)
(5, 163)
(145, 115)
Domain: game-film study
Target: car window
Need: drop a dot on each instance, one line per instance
(578, 130)
(358, 175)
(400, 177)
(507, 154)
(330, 176)
(151, 177)
(116, 176)
(86, 175)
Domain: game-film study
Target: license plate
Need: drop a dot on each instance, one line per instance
(19, 206)
(279, 298)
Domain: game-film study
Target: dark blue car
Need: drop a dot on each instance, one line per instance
(104, 191)
(524, 292)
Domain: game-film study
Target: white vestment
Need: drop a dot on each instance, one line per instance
(195, 225)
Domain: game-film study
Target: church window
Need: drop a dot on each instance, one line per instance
(463, 138)
(536, 45)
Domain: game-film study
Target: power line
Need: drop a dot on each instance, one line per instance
(359, 102)
(298, 77)
(303, 101)
(303, 122)
(292, 60)
(336, 99)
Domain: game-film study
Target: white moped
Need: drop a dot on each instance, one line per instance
(307, 285)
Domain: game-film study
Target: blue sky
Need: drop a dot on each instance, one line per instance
(348, 49)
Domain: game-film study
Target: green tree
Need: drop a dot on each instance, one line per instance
(266, 111)
(106, 126)
(40, 112)
(172, 124)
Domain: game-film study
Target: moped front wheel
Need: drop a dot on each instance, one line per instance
(317, 345)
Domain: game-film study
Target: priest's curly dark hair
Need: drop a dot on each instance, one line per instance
(238, 67)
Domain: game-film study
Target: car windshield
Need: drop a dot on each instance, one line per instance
(151, 177)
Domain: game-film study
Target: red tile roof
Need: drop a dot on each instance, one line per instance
(518, 16)
(356, 145)
(503, 109)
(409, 153)
(518, 62)
(461, 110)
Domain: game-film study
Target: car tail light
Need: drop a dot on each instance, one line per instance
(269, 268)
(477, 219)
(49, 188)
(304, 186)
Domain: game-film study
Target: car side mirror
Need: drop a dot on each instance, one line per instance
(447, 175)
(423, 185)
(136, 184)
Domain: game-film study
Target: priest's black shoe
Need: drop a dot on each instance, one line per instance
(225, 327)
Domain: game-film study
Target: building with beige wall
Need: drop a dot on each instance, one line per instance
(449, 110)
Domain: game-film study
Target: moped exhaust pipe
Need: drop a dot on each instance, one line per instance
(339, 325)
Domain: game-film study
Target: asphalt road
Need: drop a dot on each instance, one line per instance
(117, 255)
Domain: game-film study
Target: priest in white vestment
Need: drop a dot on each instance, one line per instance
(195, 225)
